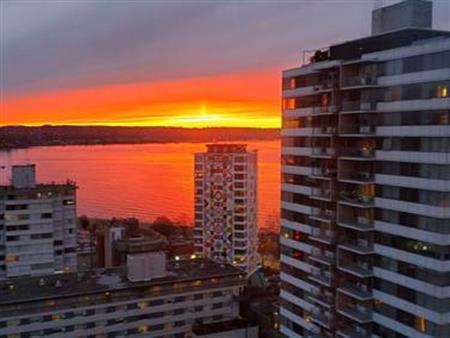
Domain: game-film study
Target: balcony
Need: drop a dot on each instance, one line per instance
(321, 276)
(323, 173)
(358, 154)
(321, 194)
(355, 199)
(327, 258)
(361, 130)
(358, 177)
(323, 110)
(323, 152)
(360, 223)
(350, 107)
(322, 318)
(360, 292)
(354, 332)
(323, 299)
(322, 235)
(358, 313)
(359, 81)
(360, 246)
(323, 215)
(323, 131)
(358, 269)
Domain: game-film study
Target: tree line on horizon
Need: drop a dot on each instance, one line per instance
(22, 136)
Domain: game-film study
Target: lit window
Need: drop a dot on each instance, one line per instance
(11, 258)
(292, 83)
(143, 329)
(420, 324)
(142, 305)
(56, 317)
(442, 91)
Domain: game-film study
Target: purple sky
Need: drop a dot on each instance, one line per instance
(64, 44)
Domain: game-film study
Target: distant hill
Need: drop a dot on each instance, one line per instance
(22, 137)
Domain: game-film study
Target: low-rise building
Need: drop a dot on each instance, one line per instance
(37, 225)
(107, 303)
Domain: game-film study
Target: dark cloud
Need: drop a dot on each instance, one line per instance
(64, 44)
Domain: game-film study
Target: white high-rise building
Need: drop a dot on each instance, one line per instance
(226, 205)
(365, 210)
(37, 226)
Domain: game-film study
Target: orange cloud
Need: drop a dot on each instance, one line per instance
(247, 99)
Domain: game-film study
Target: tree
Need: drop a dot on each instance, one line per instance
(164, 225)
(84, 222)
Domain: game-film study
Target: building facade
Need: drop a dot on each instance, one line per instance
(226, 205)
(37, 226)
(365, 237)
(111, 303)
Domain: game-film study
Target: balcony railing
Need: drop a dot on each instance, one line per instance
(322, 235)
(360, 223)
(358, 176)
(354, 332)
(328, 257)
(321, 193)
(363, 152)
(323, 172)
(358, 312)
(360, 80)
(323, 109)
(355, 198)
(321, 318)
(358, 106)
(322, 277)
(323, 151)
(358, 269)
(360, 292)
(323, 214)
(325, 130)
(358, 130)
(360, 246)
(324, 299)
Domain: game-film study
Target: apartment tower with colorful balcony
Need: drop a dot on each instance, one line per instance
(365, 210)
(226, 205)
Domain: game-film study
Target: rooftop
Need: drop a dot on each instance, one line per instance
(82, 283)
(41, 187)
(226, 148)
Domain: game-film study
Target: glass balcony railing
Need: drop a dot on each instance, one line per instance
(356, 199)
(323, 214)
(360, 292)
(357, 176)
(321, 276)
(358, 106)
(360, 246)
(359, 269)
(359, 81)
(360, 223)
(323, 151)
(323, 172)
(324, 109)
(360, 153)
(358, 130)
(358, 313)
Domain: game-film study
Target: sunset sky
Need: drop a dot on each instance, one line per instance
(172, 63)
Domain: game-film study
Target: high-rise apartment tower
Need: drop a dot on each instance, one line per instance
(226, 205)
(365, 236)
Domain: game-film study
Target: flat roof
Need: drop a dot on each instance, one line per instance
(40, 187)
(27, 289)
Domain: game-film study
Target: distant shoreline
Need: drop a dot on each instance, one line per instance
(21, 137)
